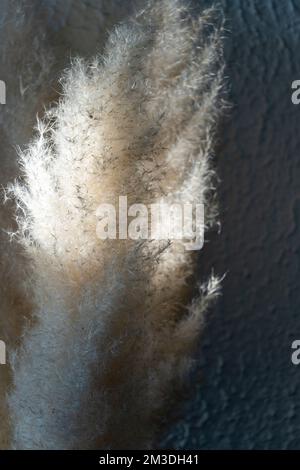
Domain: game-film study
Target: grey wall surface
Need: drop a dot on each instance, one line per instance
(247, 393)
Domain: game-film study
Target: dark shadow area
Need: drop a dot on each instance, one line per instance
(247, 387)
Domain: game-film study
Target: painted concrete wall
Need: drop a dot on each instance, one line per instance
(247, 388)
(245, 392)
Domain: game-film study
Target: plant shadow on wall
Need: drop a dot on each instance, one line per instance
(246, 384)
(247, 387)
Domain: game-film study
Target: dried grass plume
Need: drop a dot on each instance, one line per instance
(114, 322)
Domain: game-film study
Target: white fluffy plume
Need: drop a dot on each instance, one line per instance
(115, 326)
(26, 64)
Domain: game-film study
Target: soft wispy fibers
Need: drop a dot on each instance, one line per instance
(26, 66)
(115, 326)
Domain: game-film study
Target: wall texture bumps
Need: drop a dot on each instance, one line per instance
(247, 388)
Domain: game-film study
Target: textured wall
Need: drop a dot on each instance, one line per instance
(247, 389)
(245, 392)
